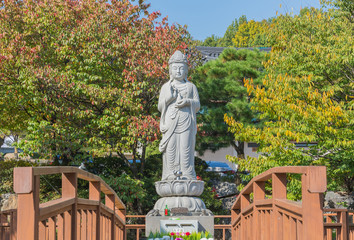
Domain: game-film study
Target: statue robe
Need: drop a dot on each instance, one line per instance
(179, 128)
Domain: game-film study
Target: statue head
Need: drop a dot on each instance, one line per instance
(178, 66)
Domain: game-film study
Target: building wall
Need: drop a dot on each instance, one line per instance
(220, 155)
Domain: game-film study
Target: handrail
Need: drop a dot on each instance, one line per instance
(138, 227)
(339, 223)
(68, 217)
(265, 176)
(81, 174)
(8, 227)
(223, 227)
(251, 217)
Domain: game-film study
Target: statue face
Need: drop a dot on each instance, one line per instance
(178, 71)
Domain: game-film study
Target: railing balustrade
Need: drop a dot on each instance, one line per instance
(136, 227)
(139, 227)
(8, 222)
(68, 217)
(256, 217)
(253, 216)
(225, 228)
(339, 224)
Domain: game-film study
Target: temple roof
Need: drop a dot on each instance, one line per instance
(211, 53)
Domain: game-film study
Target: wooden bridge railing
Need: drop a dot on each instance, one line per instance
(339, 224)
(256, 217)
(68, 217)
(140, 228)
(8, 220)
(137, 227)
(224, 228)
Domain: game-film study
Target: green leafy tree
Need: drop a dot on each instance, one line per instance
(241, 33)
(140, 195)
(226, 40)
(251, 34)
(212, 41)
(221, 89)
(307, 98)
(84, 75)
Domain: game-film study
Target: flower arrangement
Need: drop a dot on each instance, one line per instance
(181, 235)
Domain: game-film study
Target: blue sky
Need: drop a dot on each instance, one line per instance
(207, 17)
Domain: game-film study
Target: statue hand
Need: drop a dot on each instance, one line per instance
(173, 94)
(182, 103)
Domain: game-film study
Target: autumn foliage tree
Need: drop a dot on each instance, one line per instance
(251, 34)
(80, 76)
(307, 97)
(226, 40)
(242, 33)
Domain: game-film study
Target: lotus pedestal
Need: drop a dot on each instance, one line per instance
(180, 194)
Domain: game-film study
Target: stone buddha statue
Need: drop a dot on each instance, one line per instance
(178, 104)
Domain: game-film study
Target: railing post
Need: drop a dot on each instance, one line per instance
(343, 218)
(279, 185)
(314, 184)
(233, 218)
(95, 194)
(245, 201)
(69, 190)
(258, 194)
(279, 192)
(26, 185)
(121, 213)
(109, 199)
(13, 232)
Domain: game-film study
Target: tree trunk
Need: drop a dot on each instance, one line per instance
(134, 167)
(2, 140)
(142, 159)
(16, 153)
(349, 182)
(16, 149)
(239, 148)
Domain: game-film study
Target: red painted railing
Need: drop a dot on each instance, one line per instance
(8, 220)
(339, 224)
(224, 228)
(138, 228)
(256, 217)
(69, 217)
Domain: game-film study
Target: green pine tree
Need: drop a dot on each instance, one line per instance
(221, 89)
